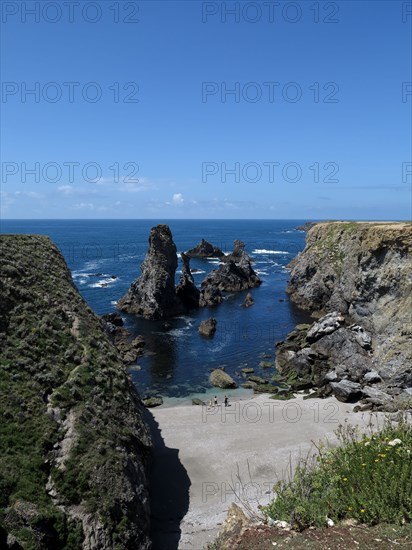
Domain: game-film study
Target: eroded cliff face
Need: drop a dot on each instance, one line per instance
(363, 271)
(74, 449)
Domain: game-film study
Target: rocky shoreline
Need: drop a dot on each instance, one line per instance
(356, 278)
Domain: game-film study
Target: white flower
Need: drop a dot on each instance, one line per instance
(367, 443)
(394, 442)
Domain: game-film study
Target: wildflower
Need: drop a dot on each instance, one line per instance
(363, 465)
(394, 442)
(345, 479)
(362, 511)
(350, 508)
(367, 443)
(382, 455)
(376, 459)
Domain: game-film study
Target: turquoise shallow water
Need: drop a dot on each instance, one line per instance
(105, 256)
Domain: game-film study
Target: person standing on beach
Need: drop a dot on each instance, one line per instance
(215, 400)
(226, 401)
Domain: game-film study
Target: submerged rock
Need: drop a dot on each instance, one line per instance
(153, 294)
(208, 327)
(221, 379)
(248, 300)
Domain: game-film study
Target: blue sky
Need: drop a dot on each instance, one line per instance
(318, 125)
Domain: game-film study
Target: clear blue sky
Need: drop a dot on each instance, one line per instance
(165, 155)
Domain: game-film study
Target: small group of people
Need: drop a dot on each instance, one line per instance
(215, 401)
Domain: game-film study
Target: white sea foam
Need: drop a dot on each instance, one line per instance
(264, 251)
(260, 272)
(103, 283)
(114, 303)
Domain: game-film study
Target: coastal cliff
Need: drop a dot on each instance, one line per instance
(360, 274)
(75, 450)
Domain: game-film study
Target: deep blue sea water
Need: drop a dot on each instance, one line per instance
(104, 257)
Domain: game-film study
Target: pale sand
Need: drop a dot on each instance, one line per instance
(199, 450)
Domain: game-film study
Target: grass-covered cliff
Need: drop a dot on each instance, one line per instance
(74, 448)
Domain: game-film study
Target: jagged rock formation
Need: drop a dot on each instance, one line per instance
(205, 250)
(234, 275)
(153, 294)
(74, 447)
(129, 350)
(360, 271)
(187, 292)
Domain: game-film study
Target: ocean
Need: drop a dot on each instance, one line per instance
(104, 257)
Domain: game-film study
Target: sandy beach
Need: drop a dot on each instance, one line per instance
(200, 450)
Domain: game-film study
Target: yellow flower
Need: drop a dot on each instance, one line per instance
(362, 511)
(376, 460)
(383, 456)
(349, 509)
(345, 479)
(363, 465)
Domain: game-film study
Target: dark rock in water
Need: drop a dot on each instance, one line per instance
(205, 250)
(186, 291)
(113, 318)
(257, 379)
(249, 301)
(265, 388)
(221, 379)
(234, 275)
(248, 385)
(150, 402)
(347, 391)
(266, 364)
(197, 401)
(248, 370)
(210, 296)
(208, 327)
(129, 350)
(153, 294)
(238, 255)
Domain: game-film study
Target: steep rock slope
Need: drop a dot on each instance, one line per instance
(74, 449)
(362, 270)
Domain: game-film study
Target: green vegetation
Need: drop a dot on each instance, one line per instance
(58, 372)
(367, 478)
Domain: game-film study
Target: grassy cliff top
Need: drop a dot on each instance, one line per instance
(70, 416)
